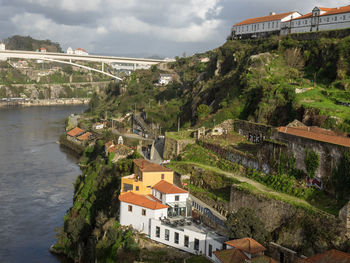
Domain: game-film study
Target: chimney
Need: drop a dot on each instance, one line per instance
(272, 13)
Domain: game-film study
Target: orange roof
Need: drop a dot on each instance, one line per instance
(109, 144)
(141, 200)
(42, 48)
(329, 256)
(304, 16)
(264, 19)
(231, 256)
(74, 132)
(81, 49)
(247, 245)
(337, 10)
(317, 134)
(168, 188)
(85, 136)
(146, 166)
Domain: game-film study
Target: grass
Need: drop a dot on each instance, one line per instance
(324, 99)
(181, 135)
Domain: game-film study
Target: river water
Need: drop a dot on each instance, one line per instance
(36, 181)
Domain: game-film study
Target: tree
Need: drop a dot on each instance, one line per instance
(312, 161)
(341, 177)
(94, 102)
(203, 111)
(245, 223)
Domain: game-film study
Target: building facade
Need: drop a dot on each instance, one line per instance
(2, 46)
(70, 51)
(81, 51)
(319, 19)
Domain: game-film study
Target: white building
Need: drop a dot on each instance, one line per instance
(43, 50)
(164, 79)
(70, 51)
(165, 216)
(320, 19)
(80, 51)
(262, 26)
(2, 46)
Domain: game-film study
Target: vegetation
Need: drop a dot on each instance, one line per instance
(341, 177)
(312, 161)
(27, 43)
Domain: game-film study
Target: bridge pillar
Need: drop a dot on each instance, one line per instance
(134, 66)
(103, 66)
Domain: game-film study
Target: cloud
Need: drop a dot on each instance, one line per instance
(165, 27)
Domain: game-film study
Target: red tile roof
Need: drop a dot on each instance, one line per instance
(317, 134)
(141, 200)
(331, 256)
(329, 11)
(247, 245)
(231, 256)
(109, 144)
(74, 132)
(308, 15)
(168, 188)
(146, 166)
(264, 19)
(85, 136)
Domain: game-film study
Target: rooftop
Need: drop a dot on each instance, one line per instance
(168, 188)
(328, 11)
(74, 132)
(147, 166)
(247, 245)
(85, 136)
(329, 256)
(141, 200)
(264, 18)
(317, 134)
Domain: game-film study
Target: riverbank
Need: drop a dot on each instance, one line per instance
(43, 102)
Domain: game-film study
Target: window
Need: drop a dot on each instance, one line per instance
(161, 196)
(167, 234)
(143, 212)
(269, 25)
(177, 197)
(127, 187)
(196, 244)
(186, 241)
(148, 186)
(335, 18)
(327, 19)
(130, 208)
(263, 25)
(210, 250)
(344, 17)
(176, 238)
(157, 231)
(137, 188)
(224, 246)
(273, 24)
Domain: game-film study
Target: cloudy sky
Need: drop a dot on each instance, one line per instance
(138, 27)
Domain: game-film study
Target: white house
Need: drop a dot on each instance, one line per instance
(320, 19)
(70, 51)
(164, 79)
(2, 46)
(80, 51)
(262, 26)
(43, 50)
(165, 216)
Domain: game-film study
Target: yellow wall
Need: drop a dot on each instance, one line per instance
(149, 179)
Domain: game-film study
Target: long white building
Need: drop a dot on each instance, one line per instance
(165, 216)
(262, 26)
(320, 19)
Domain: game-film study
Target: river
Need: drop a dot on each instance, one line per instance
(36, 181)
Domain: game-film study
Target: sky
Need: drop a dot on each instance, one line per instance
(165, 28)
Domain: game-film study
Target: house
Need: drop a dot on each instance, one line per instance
(99, 125)
(81, 52)
(43, 50)
(146, 175)
(164, 79)
(217, 131)
(165, 216)
(241, 251)
(262, 26)
(329, 256)
(70, 51)
(320, 19)
(2, 46)
(74, 133)
(84, 138)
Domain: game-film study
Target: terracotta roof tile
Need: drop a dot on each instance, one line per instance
(168, 188)
(141, 200)
(338, 10)
(146, 166)
(264, 19)
(247, 245)
(317, 134)
(85, 136)
(231, 256)
(74, 132)
(109, 144)
(308, 15)
(331, 256)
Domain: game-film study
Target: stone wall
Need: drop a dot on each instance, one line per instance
(173, 148)
(247, 128)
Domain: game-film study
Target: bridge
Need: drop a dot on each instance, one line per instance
(68, 58)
